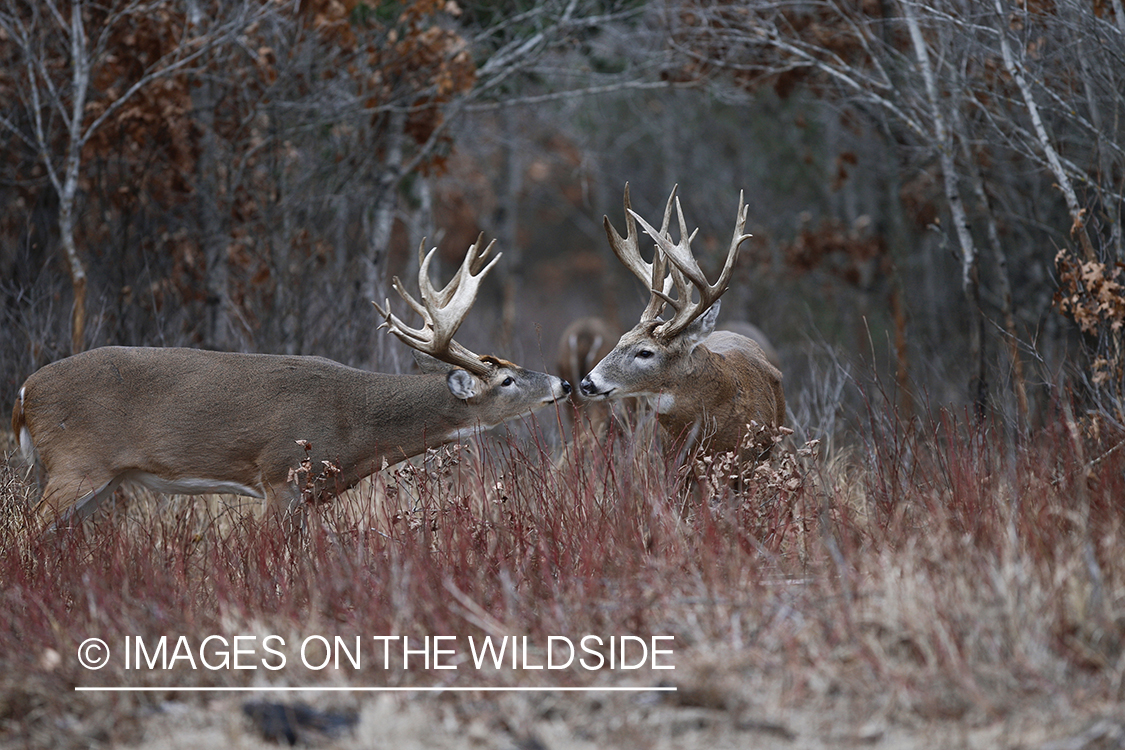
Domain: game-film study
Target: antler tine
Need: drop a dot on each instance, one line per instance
(411, 336)
(479, 255)
(668, 210)
(453, 302)
(625, 248)
(686, 270)
(443, 310)
(470, 267)
(659, 290)
(737, 238)
(652, 275)
(665, 251)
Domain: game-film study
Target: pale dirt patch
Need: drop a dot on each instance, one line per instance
(590, 721)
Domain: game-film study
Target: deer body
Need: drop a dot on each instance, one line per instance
(190, 421)
(711, 389)
(582, 345)
(725, 386)
(707, 389)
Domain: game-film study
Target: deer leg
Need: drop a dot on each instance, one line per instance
(69, 499)
(285, 503)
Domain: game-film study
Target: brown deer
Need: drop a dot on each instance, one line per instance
(582, 345)
(709, 388)
(194, 422)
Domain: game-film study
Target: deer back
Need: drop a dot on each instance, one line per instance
(752, 332)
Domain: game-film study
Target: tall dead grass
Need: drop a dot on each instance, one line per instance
(933, 570)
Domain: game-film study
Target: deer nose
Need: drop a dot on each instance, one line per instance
(587, 386)
(566, 388)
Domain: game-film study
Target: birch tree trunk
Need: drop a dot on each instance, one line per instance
(67, 186)
(58, 92)
(383, 212)
(1077, 213)
(970, 272)
(1019, 382)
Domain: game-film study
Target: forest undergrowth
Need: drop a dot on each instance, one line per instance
(931, 569)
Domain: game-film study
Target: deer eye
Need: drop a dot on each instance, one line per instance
(644, 354)
(508, 381)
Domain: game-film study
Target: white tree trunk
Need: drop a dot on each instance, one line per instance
(1077, 213)
(970, 274)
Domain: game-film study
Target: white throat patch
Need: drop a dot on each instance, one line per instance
(465, 433)
(662, 403)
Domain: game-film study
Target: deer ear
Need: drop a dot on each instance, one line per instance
(430, 365)
(703, 326)
(463, 384)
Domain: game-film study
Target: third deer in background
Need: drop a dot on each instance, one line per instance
(581, 346)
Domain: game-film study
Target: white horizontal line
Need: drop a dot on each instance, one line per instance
(336, 689)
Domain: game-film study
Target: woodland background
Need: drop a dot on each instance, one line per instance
(935, 194)
(935, 189)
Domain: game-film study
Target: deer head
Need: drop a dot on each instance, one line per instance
(470, 376)
(706, 386)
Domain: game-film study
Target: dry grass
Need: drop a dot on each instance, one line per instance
(934, 583)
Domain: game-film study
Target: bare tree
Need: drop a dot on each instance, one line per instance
(59, 108)
(223, 150)
(982, 92)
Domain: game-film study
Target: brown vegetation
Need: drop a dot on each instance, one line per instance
(939, 575)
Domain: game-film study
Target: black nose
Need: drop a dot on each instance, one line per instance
(566, 387)
(587, 386)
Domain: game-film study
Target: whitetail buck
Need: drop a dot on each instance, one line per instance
(193, 422)
(707, 387)
(581, 346)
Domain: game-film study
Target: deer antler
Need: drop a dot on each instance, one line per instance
(652, 275)
(443, 310)
(686, 274)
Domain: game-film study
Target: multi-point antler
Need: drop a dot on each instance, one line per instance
(442, 311)
(686, 274)
(652, 275)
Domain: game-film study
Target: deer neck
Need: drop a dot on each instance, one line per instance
(414, 412)
(693, 395)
